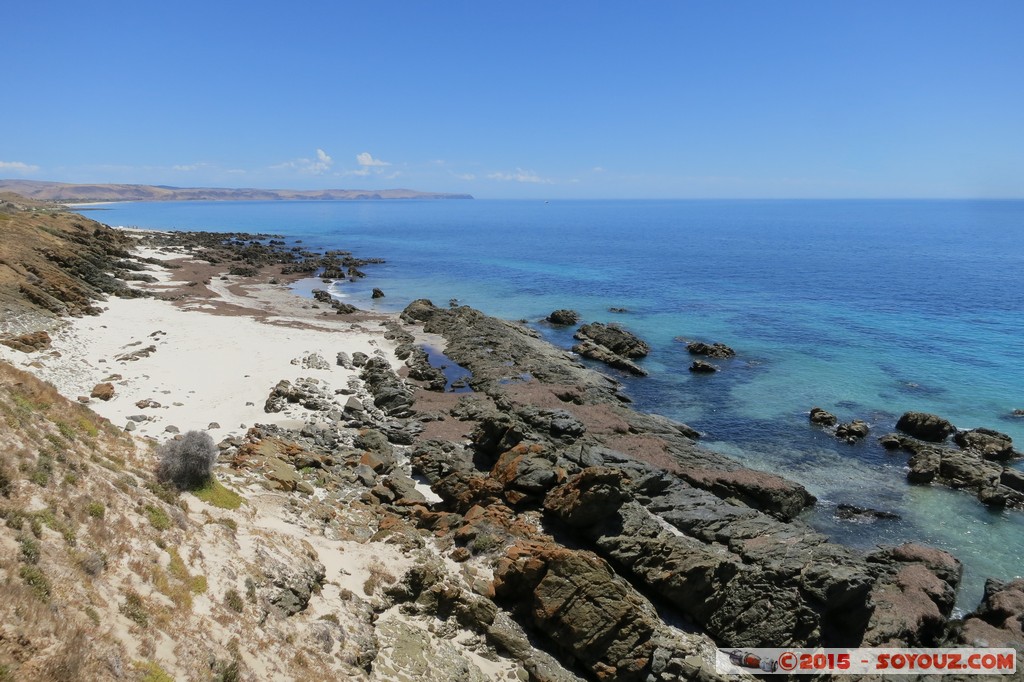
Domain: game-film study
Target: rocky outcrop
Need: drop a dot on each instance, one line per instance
(596, 351)
(853, 431)
(614, 338)
(711, 350)
(852, 512)
(32, 342)
(702, 367)
(390, 393)
(914, 596)
(987, 443)
(999, 619)
(926, 427)
(822, 418)
(325, 297)
(563, 317)
(993, 483)
(377, 293)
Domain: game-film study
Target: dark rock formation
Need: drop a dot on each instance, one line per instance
(390, 393)
(851, 512)
(341, 308)
(564, 317)
(822, 418)
(711, 350)
(614, 338)
(596, 351)
(852, 431)
(987, 443)
(701, 367)
(993, 483)
(377, 293)
(924, 426)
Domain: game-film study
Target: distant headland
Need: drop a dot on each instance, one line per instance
(70, 193)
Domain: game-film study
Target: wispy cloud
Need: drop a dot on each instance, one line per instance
(464, 176)
(598, 169)
(366, 160)
(520, 175)
(18, 167)
(318, 166)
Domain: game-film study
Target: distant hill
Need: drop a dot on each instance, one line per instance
(69, 194)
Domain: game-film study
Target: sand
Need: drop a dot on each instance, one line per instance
(210, 358)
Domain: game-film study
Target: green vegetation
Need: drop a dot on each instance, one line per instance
(152, 672)
(213, 493)
(158, 517)
(36, 579)
(29, 549)
(96, 510)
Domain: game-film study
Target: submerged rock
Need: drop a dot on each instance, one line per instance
(596, 351)
(851, 512)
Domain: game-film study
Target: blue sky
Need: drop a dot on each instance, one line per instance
(524, 99)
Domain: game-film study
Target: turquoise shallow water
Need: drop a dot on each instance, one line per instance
(866, 308)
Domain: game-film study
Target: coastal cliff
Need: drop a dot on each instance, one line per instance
(367, 521)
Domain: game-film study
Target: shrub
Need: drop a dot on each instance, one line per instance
(188, 463)
(233, 600)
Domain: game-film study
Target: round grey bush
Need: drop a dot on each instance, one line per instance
(187, 463)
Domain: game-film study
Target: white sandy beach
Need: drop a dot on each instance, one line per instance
(214, 358)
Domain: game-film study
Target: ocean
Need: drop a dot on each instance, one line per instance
(865, 308)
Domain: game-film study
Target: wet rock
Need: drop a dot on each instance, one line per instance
(926, 427)
(377, 293)
(595, 351)
(1017, 413)
(853, 431)
(28, 343)
(614, 338)
(701, 367)
(822, 418)
(103, 391)
(564, 317)
(711, 350)
(989, 444)
(851, 512)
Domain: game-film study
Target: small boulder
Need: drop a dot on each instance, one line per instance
(711, 350)
(564, 317)
(614, 338)
(822, 418)
(103, 391)
(377, 293)
(853, 431)
(851, 512)
(702, 367)
(924, 426)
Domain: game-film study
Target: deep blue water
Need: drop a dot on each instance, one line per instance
(865, 308)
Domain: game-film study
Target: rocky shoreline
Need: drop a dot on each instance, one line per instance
(536, 514)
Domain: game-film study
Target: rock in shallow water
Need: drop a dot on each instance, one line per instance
(564, 317)
(924, 426)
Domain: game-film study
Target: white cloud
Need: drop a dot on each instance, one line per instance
(520, 175)
(464, 176)
(598, 169)
(318, 166)
(366, 160)
(187, 167)
(18, 167)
